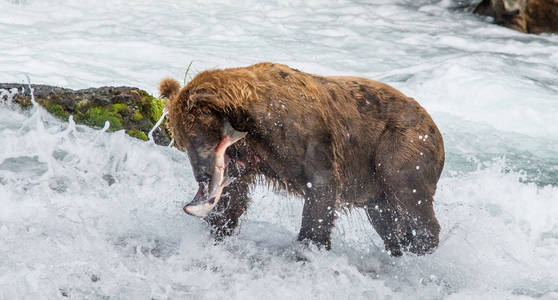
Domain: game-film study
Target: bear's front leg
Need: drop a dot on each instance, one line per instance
(223, 219)
(318, 216)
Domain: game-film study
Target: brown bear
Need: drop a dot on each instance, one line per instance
(337, 142)
(528, 16)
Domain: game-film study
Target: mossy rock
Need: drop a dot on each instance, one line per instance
(138, 134)
(118, 108)
(157, 106)
(137, 116)
(125, 108)
(57, 111)
(98, 116)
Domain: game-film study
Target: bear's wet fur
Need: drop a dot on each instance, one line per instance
(527, 16)
(336, 142)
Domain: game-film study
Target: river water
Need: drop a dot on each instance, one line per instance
(96, 215)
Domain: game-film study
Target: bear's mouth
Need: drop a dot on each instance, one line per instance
(203, 202)
(209, 193)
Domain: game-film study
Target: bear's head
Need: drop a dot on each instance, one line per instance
(205, 134)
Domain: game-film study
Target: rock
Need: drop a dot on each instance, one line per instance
(528, 16)
(126, 108)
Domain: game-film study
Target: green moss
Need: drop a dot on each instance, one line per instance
(96, 116)
(57, 111)
(156, 107)
(119, 108)
(137, 116)
(151, 107)
(138, 134)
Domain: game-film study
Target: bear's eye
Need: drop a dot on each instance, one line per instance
(205, 114)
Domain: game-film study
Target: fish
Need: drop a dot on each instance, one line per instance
(209, 194)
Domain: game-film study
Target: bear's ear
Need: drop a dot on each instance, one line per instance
(168, 88)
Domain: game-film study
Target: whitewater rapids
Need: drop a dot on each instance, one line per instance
(94, 215)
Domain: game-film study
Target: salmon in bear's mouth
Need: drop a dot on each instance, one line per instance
(208, 194)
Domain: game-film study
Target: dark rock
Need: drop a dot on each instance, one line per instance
(528, 16)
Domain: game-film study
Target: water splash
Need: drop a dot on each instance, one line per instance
(33, 102)
(7, 96)
(106, 126)
(150, 135)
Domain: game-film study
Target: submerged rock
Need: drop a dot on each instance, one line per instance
(125, 108)
(528, 16)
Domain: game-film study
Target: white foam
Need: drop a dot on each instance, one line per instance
(92, 214)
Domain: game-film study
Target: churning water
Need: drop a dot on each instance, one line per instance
(90, 214)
